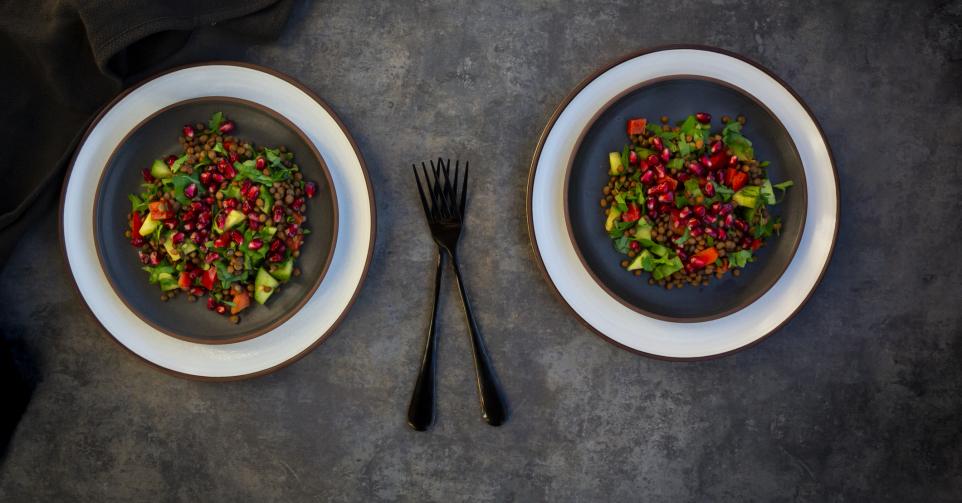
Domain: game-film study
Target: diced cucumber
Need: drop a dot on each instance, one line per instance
(613, 214)
(149, 226)
(283, 271)
(615, 165)
(171, 249)
(160, 170)
(264, 286)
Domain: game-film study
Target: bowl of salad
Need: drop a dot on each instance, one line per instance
(215, 220)
(686, 199)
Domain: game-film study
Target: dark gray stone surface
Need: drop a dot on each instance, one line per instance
(859, 398)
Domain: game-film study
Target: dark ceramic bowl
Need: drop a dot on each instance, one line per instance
(156, 137)
(677, 98)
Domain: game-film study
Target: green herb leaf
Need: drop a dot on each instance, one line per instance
(710, 241)
(215, 121)
(683, 147)
(692, 189)
(740, 258)
(180, 181)
(624, 157)
(738, 144)
(175, 167)
(766, 192)
(136, 204)
(219, 148)
(248, 171)
(763, 164)
(621, 244)
(783, 187)
(724, 192)
(676, 164)
(684, 237)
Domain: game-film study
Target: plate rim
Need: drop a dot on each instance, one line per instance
(564, 104)
(92, 124)
(570, 230)
(250, 334)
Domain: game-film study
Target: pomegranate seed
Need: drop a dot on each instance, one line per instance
(692, 223)
(650, 204)
(697, 263)
(233, 157)
(634, 245)
(695, 232)
(246, 207)
(667, 197)
(211, 303)
(209, 200)
(222, 164)
(278, 214)
(660, 188)
(710, 231)
(716, 147)
(741, 225)
(632, 157)
(144, 259)
(147, 176)
(659, 171)
(727, 208)
(255, 244)
(293, 228)
(137, 240)
(647, 177)
(664, 208)
(217, 177)
(721, 234)
(236, 237)
(196, 205)
(196, 238)
(733, 161)
(205, 178)
(682, 177)
(188, 132)
(710, 219)
(253, 192)
(652, 214)
(170, 160)
(710, 177)
(653, 160)
(226, 127)
(728, 220)
(710, 189)
(260, 163)
(684, 213)
(221, 219)
(705, 162)
(220, 309)
(298, 203)
(703, 117)
(696, 168)
(275, 257)
(681, 253)
(229, 204)
(699, 211)
(211, 257)
(310, 188)
(230, 172)
(190, 191)
(716, 208)
(170, 223)
(277, 246)
(177, 238)
(657, 143)
(154, 258)
(666, 154)
(254, 224)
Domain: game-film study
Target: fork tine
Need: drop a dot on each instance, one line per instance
(440, 194)
(424, 201)
(430, 186)
(464, 188)
(450, 192)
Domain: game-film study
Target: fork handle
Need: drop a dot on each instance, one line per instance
(421, 408)
(489, 393)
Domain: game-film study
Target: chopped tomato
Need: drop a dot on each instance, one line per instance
(184, 280)
(704, 257)
(207, 279)
(298, 218)
(670, 182)
(158, 210)
(738, 180)
(241, 301)
(719, 160)
(756, 244)
(632, 214)
(637, 126)
(295, 242)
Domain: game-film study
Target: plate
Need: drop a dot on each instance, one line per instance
(603, 312)
(156, 137)
(679, 97)
(354, 245)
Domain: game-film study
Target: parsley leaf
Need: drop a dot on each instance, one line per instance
(684, 237)
(175, 167)
(738, 144)
(692, 189)
(180, 181)
(740, 258)
(247, 171)
(784, 188)
(215, 121)
(136, 204)
(219, 148)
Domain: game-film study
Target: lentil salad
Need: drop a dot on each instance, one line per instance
(686, 204)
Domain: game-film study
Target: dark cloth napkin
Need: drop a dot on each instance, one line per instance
(62, 61)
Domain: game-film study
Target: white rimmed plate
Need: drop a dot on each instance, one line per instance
(355, 243)
(606, 315)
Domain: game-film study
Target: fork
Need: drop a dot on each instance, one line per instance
(444, 211)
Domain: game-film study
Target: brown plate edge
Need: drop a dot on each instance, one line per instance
(537, 154)
(675, 319)
(250, 334)
(364, 171)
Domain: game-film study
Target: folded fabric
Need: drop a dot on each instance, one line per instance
(69, 58)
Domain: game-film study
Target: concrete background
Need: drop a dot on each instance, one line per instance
(859, 398)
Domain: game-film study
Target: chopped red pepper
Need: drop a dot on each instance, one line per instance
(637, 126)
(241, 301)
(756, 244)
(208, 278)
(632, 214)
(718, 161)
(136, 222)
